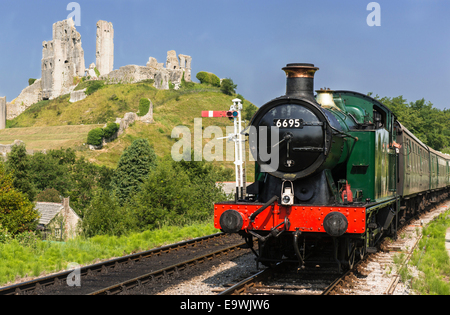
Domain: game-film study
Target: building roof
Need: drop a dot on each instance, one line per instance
(48, 211)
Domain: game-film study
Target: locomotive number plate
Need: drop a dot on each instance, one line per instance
(288, 123)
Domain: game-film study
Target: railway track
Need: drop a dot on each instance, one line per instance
(284, 280)
(112, 277)
(138, 282)
(376, 274)
(57, 283)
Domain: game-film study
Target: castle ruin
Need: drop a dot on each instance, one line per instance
(63, 61)
(173, 72)
(3, 112)
(105, 47)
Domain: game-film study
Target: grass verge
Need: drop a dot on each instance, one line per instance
(432, 259)
(18, 261)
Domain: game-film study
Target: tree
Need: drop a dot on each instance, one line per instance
(19, 165)
(228, 87)
(104, 216)
(51, 170)
(49, 195)
(17, 213)
(134, 165)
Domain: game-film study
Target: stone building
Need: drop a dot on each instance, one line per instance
(105, 47)
(62, 60)
(58, 221)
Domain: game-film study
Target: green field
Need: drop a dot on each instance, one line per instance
(49, 137)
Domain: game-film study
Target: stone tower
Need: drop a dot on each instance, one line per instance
(185, 64)
(105, 47)
(62, 60)
(3, 112)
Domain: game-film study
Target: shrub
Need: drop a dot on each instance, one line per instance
(31, 81)
(144, 106)
(94, 86)
(95, 136)
(104, 216)
(203, 77)
(228, 87)
(208, 78)
(110, 130)
(97, 73)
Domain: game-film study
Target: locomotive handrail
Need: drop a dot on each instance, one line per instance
(267, 204)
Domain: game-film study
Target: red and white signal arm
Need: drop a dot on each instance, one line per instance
(220, 113)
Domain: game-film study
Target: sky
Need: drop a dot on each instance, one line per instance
(250, 41)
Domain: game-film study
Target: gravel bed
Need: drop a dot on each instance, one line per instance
(210, 281)
(379, 273)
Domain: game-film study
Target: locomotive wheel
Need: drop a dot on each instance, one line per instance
(352, 256)
(350, 253)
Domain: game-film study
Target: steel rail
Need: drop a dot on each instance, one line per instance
(141, 280)
(62, 276)
(242, 286)
(395, 280)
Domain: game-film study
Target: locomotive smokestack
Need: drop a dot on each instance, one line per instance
(300, 80)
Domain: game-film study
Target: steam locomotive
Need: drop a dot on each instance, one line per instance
(334, 173)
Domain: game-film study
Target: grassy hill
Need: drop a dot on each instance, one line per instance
(49, 137)
(58, 123)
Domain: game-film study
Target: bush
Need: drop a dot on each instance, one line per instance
(208, 78)
(31, 81)
(110, 130)
(203, 77)
(95, 136)
(165, 198)
(94, 86)
(144, 106)
(228, 87)
(49, 195)
(104, 216)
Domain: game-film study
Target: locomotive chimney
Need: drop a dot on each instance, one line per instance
(300, 80)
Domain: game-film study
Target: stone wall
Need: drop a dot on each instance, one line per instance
(173, 72)
(129, 74)
(105, 47)
(76, 96)
(6, 148)
(29, 96)
(3, 112)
